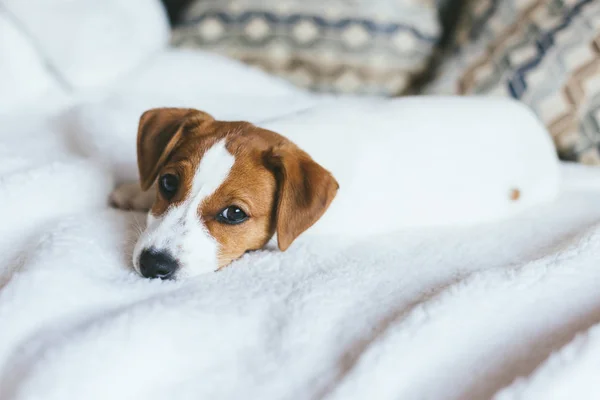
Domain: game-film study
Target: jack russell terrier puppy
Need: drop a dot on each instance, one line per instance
(217, 189)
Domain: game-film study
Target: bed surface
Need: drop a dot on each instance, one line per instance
(506, 310)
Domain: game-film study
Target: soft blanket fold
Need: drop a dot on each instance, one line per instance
(456, 313)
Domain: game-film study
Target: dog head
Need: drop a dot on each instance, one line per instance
(223, 188)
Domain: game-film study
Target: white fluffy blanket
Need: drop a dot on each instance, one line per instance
(453, 313)
(505, 310)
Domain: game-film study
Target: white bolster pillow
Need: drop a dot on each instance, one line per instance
(426, 161)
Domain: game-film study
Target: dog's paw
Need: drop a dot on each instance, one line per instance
(129, 196)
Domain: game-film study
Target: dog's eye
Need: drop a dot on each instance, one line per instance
(232, 215)
(168, 185)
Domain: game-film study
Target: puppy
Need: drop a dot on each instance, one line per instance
(215, 190)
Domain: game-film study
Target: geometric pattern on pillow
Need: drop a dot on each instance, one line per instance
(545, 53)
(347, 46)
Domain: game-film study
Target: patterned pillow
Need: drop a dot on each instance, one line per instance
(352, 46)
(545, 53)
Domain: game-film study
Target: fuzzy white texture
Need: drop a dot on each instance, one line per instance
(454, 312)
(505, 309)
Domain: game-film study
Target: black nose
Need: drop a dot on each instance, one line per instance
(157, 264)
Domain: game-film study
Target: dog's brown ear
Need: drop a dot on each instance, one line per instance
(159, 131)
(305, 191)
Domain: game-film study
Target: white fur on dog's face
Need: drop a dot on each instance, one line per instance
(180, 231)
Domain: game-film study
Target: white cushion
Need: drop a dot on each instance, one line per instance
(91, 42)
(23, 76)
(432, 160)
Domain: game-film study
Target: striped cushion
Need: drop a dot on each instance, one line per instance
(356, 46)
(545, 53)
